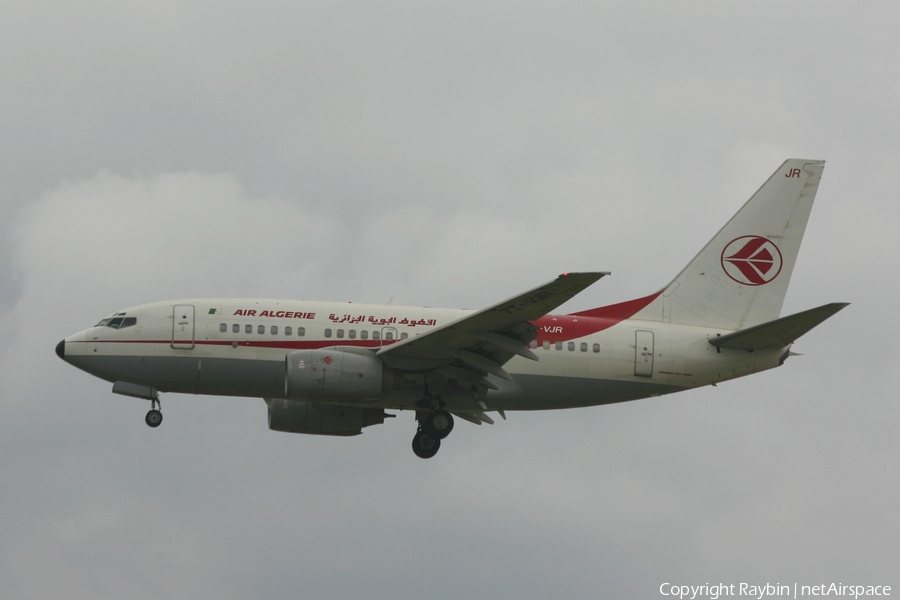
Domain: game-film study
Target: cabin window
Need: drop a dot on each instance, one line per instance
(260, 329)
(363, 335)
(388, 335)
(546, 344)
(340, 333)
(223, 327)
(288, 330)
(274, 330)
(351, 334)
(301, 331)
(533, 344)
(571, 346)
(404, 335)
(236, 328)
(558, 345)
(376, 335)
(327, 333)
(596, 347)
(248, 328)
(584, 346)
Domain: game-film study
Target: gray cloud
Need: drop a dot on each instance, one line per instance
(450, 156)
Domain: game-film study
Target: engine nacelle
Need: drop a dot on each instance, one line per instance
(334, 375)
(295, 416)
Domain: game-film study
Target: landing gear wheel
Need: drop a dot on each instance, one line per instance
(439, 423)
(425, 445)
(153, 418)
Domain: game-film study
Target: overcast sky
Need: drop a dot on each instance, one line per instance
(450, 155)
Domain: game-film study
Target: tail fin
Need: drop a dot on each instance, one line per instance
(741, 276)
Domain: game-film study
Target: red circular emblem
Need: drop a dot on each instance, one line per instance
(327, 360)
(751, 260)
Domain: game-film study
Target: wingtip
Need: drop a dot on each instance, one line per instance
(597, 274)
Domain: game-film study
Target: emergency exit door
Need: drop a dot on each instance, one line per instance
(643, 353)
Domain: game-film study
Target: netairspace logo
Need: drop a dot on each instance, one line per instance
(749, 590)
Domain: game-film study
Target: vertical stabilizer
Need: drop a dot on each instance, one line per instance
(741, 276)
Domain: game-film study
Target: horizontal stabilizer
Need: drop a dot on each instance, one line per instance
(778, 333)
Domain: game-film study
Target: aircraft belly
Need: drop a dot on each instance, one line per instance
(229, 377)
(545, 392)
(177, 374)
(191, 374)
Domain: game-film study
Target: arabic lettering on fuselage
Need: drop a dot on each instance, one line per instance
(348, 319)
(380, 321)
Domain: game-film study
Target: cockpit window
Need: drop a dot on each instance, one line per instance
(117, 322)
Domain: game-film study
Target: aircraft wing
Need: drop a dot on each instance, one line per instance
(778, 333)
(481, 342)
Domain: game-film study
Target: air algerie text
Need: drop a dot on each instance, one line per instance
(280, 314)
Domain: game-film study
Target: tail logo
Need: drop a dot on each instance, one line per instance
(751, 260)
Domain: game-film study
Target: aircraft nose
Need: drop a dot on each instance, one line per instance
(61, 349)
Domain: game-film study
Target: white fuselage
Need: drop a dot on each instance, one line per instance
(237, 347)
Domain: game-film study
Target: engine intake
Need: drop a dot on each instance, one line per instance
(293, 416)
(333, 375)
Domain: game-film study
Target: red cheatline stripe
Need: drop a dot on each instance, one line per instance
(304, 345)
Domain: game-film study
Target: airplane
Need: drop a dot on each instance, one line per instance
(335, 368)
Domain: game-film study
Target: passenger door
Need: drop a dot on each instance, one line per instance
(183, 326)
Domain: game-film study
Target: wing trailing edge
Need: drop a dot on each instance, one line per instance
(778, 333)
(480, 343)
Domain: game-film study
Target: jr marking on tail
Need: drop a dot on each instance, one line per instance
(719, 319)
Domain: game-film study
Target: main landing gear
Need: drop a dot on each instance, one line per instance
(434, 425)
(154, 417)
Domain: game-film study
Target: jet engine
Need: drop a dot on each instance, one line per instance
(335, 375)
(293, 416)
